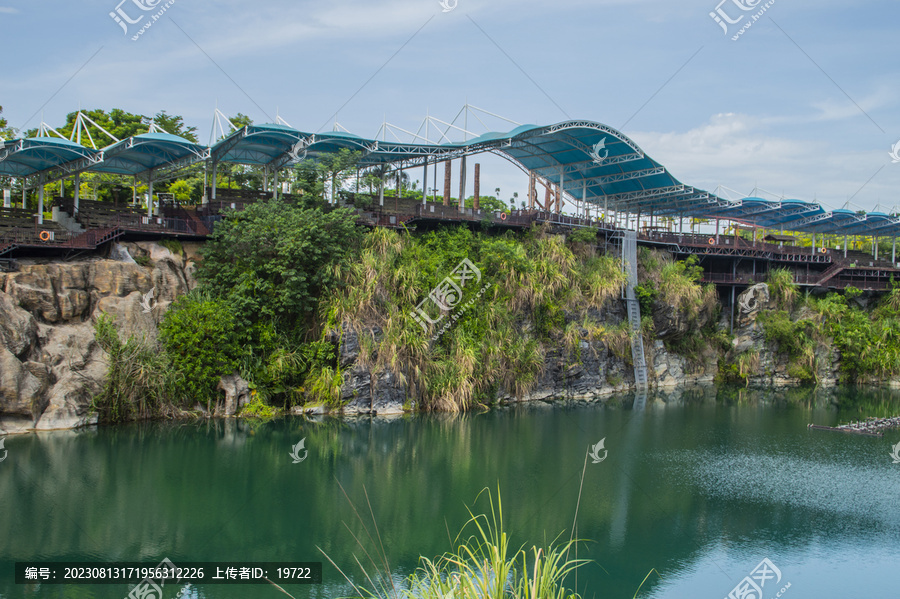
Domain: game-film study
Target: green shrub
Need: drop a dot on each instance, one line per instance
(784, 290)
(646, 294)
(203, 343)
(274, 260)
(257, 408)
(173, 245)
(869, 344)
(549, 318)
(583, 235)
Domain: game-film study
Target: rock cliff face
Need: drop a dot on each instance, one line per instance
(770, 368)
(594, 374)
(50, 363)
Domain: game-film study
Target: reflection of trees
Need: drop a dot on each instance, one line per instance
(217, 490)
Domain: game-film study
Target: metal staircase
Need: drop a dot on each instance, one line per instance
(629, 264)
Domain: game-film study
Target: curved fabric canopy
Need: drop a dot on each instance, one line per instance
(31, 156)
(257, 145)
(147, 152)
(590, 161)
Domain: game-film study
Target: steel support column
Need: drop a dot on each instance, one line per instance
(447, 181)
(462, 184)
(215, 179)
(41, 200)
(150, 194)
(732, 310)
(78, 192)
(477, 198)
(562, 190)
(425, 183)
(584, 198)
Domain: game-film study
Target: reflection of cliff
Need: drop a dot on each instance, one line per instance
(50, 364)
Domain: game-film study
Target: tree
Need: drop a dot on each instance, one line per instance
(491, 204)
(203, 342)
(373, 177)
(241, 120)
(182, 191)
(313, 175)
(122, 125)
(6, 132)
(175, 125)
(273, 261)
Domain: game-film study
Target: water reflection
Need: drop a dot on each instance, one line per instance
(699, 483)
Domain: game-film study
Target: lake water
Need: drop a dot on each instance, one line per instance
(698, 490)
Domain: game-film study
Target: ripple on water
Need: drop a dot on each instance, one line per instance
(848, 489)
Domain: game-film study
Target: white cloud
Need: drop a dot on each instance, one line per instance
(8, 10)
(738, 152)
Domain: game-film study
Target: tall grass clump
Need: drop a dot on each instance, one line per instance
(139, 381)
(483, 564)
(784, 291)
(527, 290)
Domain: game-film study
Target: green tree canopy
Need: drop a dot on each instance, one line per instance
(203, 341)
(173, 124)
(122, 125)
(6, 132)
(274, 260)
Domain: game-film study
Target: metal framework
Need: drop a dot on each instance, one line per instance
(589, 163)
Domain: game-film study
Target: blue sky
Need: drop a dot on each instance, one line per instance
(804, 103)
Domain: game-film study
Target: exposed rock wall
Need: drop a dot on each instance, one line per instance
(770, 369)
(595, 373)
(50, 363)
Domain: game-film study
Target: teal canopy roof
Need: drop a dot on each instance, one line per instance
(591, 161)
(148, 151)
(30, 156)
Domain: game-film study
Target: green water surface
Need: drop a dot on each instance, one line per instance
(698, 487)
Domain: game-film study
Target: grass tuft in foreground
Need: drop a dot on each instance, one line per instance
(484, 564)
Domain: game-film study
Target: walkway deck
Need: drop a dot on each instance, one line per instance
(723, 257)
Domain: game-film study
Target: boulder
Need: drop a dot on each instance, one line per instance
(18, 329)
(11, 425)
(119, 279)
(237, 393)
(50, 363)
(672, 323)
(70, 399)
(32, 288)
(120, 253)
(363, 393)
(169, 281)
(751, 302)
(20, 390)
(66, 347)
